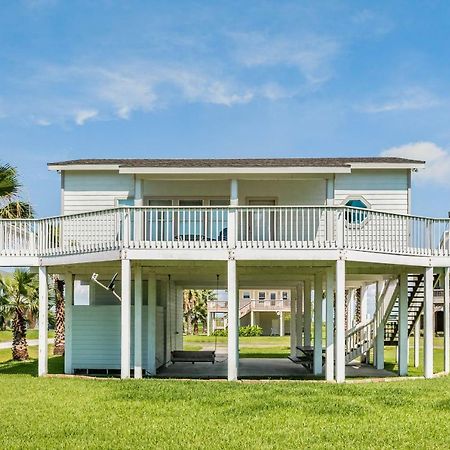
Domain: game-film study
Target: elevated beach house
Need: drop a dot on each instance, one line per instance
(326, 229)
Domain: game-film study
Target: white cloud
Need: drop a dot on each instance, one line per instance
(413, 98)
(120, 90)
(310, 55)
(437, 167)
(83, 115)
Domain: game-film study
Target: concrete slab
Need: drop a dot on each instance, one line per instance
(261, 368)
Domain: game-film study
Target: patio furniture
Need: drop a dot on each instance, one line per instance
(193, 356)
(307, 358)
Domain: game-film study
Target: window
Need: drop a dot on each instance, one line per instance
(246, 295)
(356, 216)
(285, 295)
(273, 296)
(261, 296)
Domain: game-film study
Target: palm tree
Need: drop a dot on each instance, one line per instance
(19, 297)
(10, 206)
(189, 299)
(58, 286)
(195, 308)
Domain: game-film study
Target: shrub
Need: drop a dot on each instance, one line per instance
(220, 333)
(247, 331)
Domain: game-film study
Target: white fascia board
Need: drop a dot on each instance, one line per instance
(231, 170)
(78, 167)
(19, 261)
(410, 166)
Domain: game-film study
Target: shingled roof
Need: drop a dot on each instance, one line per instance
(250, 162)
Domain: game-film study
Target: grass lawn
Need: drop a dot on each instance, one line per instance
(107, 413)
(6, 336)
(114, 414)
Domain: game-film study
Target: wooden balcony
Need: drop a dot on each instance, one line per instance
(280, 227)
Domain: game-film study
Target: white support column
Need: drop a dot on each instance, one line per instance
(299, 308)
(363, 304)
(208, 323)
(428, 323)
(178, 299)
(233, 322)
(330, 214)
(379, 340)
(138, 192)
(151, 318)
(447, 319)
(138, 321)
(340, 322)
(43, 322)
(234, 192)
(417, 342)
(350, 299)
(252, 318)
(68, 309)
(363, 317)
(329, 317)
(125, 324)
(281, 323)
(318, 324)
(293, 324)
(138, 201)
(307, 314)
(403, 326)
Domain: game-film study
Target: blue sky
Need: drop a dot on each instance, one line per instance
(224, 79)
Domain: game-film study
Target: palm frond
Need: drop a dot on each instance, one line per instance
(16, 210)
(9, 182)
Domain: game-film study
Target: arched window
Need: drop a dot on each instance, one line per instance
(356, 216)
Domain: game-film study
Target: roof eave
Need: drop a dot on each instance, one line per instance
(60, 167)
(388, 165)
(233, 170)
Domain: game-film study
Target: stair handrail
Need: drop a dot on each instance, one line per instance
(359, 339)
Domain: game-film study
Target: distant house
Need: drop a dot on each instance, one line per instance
(340, 227)
(267, 308)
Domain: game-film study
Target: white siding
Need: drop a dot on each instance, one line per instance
(96, 337)
(91, 191)
(285, 192)
(385, 190)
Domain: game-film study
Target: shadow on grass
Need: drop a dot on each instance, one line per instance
(30, 367)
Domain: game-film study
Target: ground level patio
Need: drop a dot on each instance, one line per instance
(261, 368)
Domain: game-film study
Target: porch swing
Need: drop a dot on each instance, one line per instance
(193, 356)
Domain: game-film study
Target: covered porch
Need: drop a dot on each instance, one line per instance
(137, 335)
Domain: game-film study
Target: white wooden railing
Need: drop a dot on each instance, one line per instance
(274, 227)
(286, 227)
(359, 340)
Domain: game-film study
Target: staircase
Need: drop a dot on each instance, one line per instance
(244, 310)
(416, 295)
(359, 340)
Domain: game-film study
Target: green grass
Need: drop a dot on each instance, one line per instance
(6, 336)
(112, 414)
(8, 366)
(262, 352)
